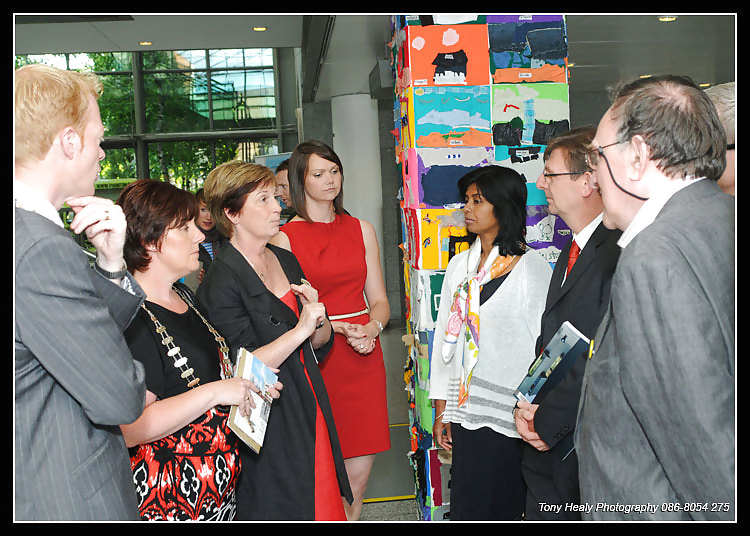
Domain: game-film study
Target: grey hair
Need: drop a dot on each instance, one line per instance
(723, 97)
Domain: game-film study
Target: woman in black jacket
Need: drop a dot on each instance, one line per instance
(256, 295)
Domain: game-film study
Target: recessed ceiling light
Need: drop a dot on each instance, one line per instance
(259, 28)
(645, 76)
(145, 43)
(704, 84)
(667, 18)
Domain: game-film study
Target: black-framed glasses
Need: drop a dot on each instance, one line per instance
(548, 175)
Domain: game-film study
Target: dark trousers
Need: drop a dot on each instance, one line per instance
(550, 481)
(486, 481)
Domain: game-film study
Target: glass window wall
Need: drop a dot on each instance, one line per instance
(167, 113)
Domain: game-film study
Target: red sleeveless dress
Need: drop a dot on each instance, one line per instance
(329, 505)
(332, 256)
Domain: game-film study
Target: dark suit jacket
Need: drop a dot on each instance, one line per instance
(550, 476)
(656, 415)
(75, 381)
(278, 483)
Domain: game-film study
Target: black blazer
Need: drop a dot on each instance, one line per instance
(279, 482)
(581, 300)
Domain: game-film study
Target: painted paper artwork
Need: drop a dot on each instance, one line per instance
(529, 114)
(431, 175)
(527, 160)
(452, 116)
(471, 91)
(425, 298)
(434, 236)
(545, 232)
(448, 55)
(530, 48)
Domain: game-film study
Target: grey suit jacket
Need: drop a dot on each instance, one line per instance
(75, 381)
(656, 416)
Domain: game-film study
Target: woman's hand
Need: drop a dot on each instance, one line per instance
(359, 337)
(235, 392)
(306, 292)
(312, 316)
(441, 431)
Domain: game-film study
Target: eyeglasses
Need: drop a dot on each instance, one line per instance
(592, 156)
(592, 159)
(548, 175)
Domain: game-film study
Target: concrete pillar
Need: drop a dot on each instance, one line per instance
(355, 140)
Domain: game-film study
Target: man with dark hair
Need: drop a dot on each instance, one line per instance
(655, 435)
(578, 293)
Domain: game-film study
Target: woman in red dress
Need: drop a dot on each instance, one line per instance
(340, 257)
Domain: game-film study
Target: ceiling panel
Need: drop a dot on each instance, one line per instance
(604, 48)
(608, 48)
(166, 32)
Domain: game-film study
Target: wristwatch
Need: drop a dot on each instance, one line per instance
(111, 275)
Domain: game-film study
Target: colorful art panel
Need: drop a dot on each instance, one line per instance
(425, 299)
(527, 160)
(532, 48)
(448, 55)
(451, 116)
(431, 175)
(529, 114)
(545, 232)
(434, 235)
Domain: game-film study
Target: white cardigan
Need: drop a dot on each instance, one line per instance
(510, 322)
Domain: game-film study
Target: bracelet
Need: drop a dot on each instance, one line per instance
(380, 326)
(111, 275)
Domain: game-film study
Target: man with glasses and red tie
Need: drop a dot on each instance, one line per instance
(655, 433)
(578, 293)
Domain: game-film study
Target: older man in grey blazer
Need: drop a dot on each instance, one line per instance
(75, 379)
(655, 435)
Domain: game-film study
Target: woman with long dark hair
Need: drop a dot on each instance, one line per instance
(491, 305)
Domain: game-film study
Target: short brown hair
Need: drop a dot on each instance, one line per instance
(298, 170)
(47, 100)
(152, 208)
(575, 144)
(227, 186)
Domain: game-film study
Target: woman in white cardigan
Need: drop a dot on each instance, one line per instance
(502, 282)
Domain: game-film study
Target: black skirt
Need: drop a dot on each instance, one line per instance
(486, 480)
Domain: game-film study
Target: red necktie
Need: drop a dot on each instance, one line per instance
(574, 251)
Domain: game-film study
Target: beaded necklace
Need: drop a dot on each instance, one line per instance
(173, 351)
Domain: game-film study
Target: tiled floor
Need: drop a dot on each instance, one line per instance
(402, 510)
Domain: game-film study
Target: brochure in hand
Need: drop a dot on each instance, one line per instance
(252, 429)
(567, 345)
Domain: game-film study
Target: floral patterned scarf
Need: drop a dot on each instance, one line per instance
(464, 312)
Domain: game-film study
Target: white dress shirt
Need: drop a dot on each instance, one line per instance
(30, 199)
(651, 208)
(583, 236)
